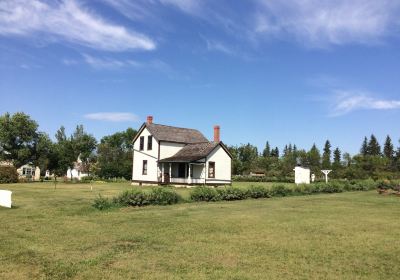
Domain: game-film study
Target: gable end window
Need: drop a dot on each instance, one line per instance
(149, 142)
(211, 169)
(144, 170)
(141, 147)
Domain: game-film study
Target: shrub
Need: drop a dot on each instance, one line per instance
(280, 190)
(231, 193)
(132, 198)
(258, 192)
(384, 185)
(8, 174)
(102, 203)
(204, 194)
(163, 196)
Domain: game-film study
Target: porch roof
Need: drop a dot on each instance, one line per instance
(192, 152)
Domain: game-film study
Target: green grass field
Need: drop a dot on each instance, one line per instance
(56, 234)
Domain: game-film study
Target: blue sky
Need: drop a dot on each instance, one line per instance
(284, 71)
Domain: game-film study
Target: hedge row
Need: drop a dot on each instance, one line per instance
(248, 178)
(157, 196)
(280, 190)
(167, 196)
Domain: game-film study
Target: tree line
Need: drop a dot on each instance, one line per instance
(372, 161)
(21, 142)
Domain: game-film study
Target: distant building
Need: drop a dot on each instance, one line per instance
(302, 175)
(29, 171)
(78, 172)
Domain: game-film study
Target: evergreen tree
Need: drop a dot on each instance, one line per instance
(267, 150)
(275, 152)
(286, 151)
(337, 157)
(314, 159)
(364, 147)
(388, 149)
(326, 156)
(374, 149)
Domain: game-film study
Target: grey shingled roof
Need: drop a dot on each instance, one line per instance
(192, 152)
(176, 134)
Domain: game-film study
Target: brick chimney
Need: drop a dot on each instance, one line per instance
(149, 119)
(217, 134)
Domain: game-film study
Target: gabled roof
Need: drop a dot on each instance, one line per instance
(174, 134)
(192, 152)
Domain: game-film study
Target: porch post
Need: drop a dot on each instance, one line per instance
(170, 171)
(162, 172)
(205, 175)
(189, 177)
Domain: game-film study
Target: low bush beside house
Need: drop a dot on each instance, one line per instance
(132, 198)
(163, 196)
(204, 194)
(102, 203)
(139, 198)
(231, 193)
(8, 174)
(281, 190)
(258, 192)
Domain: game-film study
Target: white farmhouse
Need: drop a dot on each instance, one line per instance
(179, 156)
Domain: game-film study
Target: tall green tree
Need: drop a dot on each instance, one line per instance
(314, 159)
(374, 149)
(337, 159)
(388, 148)
(326, 156)
(18, 135)
(267, 150)
(114, 155)
(275, 152)
(364, 147)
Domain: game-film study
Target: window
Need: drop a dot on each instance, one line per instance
(149, 142)
(211, 169)
(141, 147)
(144, 171)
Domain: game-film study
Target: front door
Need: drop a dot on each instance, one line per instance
(182, 170)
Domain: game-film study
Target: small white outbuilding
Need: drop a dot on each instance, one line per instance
(302, 175)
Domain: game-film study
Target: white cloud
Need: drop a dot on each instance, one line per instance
(346, 101)
(109, 63)
(69, 62)
(321, 23)
(187, 6)
(68, 21)
(112, 117)
(219, 46)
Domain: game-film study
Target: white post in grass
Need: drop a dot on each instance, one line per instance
(5, 198)
(326, 172)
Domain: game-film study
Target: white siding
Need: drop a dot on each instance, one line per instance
(168, 149)
(222, 166)
(150, 155)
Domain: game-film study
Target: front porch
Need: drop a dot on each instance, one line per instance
(182, 173)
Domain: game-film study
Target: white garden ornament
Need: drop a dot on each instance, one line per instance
(326, 172)
(5, 198)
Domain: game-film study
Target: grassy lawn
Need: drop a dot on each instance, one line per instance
(56, 234)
